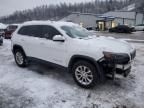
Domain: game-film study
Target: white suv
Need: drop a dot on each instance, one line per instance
(88, 57)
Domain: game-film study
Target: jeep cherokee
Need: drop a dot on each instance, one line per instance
(88, 57)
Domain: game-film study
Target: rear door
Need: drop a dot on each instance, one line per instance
(30, 39)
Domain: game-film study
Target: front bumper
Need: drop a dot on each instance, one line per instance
(124, 72)
(118, 64)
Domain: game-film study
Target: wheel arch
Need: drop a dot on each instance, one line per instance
(76, 58)
(15, 47)
(91, 60)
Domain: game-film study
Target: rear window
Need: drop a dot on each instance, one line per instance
(42, 31)
(31, 31)
(122, 26)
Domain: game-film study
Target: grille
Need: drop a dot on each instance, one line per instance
(122, 59)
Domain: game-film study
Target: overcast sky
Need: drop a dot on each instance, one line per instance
(9, 6)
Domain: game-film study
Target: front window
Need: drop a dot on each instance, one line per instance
(76, 31)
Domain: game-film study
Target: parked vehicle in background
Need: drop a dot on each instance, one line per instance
(122, 29)
(139, 27)
(9, 30)
(2, 32)
(91, 28)
(133, 29)
(1, 36)
(89, 58)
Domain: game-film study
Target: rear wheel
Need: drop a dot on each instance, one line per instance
(20, 58)
(85, 74)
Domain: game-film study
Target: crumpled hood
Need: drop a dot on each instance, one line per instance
(110, 44)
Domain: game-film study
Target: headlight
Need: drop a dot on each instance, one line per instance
(107, 55)
(117, 57)
(114, 55)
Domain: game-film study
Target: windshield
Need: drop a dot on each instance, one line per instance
(76, 31)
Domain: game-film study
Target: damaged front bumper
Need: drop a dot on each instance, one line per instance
(123, 69)
(114, 63)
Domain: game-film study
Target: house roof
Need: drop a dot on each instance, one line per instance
(74, 14)
(86, 14)
(121, 14)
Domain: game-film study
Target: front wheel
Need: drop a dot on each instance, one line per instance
(85, 74)
(20, 58)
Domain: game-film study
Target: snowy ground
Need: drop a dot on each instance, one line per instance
(40, 86)
(139, 35)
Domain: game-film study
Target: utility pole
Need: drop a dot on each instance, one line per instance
(143, 17)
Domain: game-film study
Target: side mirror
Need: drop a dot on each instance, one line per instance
(59, 38)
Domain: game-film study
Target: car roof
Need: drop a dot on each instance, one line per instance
(53, 23)
(123, 25)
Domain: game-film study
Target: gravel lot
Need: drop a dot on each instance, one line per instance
(41, 86)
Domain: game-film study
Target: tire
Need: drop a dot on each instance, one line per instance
(85, 74)
(20, 58)
(120, 31)
(111, 31)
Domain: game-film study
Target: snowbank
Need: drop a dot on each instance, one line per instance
(41, 86)
(2, 26)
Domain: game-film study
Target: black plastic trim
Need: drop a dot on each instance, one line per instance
(87, 58)
(18, 47)
(46, 62)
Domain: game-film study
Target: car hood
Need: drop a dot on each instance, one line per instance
(109, 44)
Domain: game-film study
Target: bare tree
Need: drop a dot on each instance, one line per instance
(55, 12)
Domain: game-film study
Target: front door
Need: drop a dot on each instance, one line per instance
(50, 50)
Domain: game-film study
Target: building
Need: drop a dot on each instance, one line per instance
(84, 19)
(126, 16)
(90, 20)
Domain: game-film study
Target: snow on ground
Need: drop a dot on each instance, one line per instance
(41, 86)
